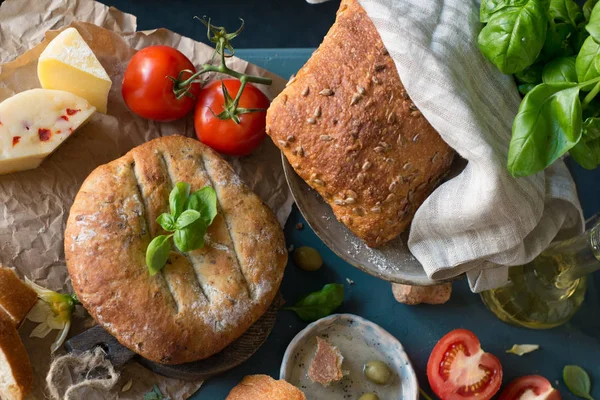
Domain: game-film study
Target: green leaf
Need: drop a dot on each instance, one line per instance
(558, 42)
(514, 36)
(178, 198)
(157, 253)
(191, 237)
(586, 61)
(578, 381)
(587, 152)
(578, 37)
(591, 128)
(186, 218)
(588, 6)
(560, 70)
(155, 394)
(531, 74)
(526, 88)
(490, 7)
(565, 11)
(593, 26)
(319, 304)
(547, 125)
(205, 202)
(166, 221)
(522, 349)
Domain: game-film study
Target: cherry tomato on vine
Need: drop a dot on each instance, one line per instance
(225, 135)
(458, 369)
(530, 387)
(150, 93)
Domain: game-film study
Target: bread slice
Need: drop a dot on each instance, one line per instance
(349, 129)
(16, 298)
(263, 387)
(16, 375)
(326, 366)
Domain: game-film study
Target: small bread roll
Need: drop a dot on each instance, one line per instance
(413, 295)
(263, 387)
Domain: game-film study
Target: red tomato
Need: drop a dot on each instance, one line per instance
(148, 91)
(226, 136)
(539, 387)
(459, 369)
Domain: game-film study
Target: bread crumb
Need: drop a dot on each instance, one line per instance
(299, 225)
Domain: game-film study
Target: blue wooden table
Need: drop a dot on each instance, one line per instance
(419, 327)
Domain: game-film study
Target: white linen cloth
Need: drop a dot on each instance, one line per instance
(483, 220)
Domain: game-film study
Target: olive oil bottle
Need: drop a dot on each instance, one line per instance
(548, 291)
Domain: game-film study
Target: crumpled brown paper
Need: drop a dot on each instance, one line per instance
(34, 205)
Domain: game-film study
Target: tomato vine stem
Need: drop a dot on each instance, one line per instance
(221, 38)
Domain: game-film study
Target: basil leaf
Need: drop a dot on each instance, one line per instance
(531, 74)
(526, 88)
(166, 221)
(514, 37)
(186, 218)
(319, 304)
(560, 70)
(588, 6)
(591, 128)
(205, 202)
(586, 61)
(155, 394)
(191, 237)
(565, 11)
(593, 26)
(578, 37)
(490, 7)
(558, 42)
(157, 253)
(547, 125)
(178, 197)
(578, 381)
(587, 153)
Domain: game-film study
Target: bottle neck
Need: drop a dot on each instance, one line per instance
(583, 253)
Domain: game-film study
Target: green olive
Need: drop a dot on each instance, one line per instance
(308, 258)
(369, 396)
(378, 372)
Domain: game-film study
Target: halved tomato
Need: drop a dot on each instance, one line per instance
(531, 387)
(459, 369)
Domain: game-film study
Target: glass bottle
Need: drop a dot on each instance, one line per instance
(548, 291)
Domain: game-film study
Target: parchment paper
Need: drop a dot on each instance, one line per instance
(34, 205)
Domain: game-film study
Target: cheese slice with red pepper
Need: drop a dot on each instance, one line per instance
(34, 123)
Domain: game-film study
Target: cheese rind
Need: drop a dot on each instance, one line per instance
(69, 64)
(34, 123)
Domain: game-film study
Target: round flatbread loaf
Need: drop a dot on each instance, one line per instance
(201, 300)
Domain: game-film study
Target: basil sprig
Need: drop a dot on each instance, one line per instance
(188, 219)
(553, 49)
(319, 304)
(578, 381)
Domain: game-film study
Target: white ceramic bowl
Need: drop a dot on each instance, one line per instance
(362, 333)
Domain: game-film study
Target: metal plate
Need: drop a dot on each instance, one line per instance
(392, 262)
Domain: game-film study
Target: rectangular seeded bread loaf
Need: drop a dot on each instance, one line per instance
(349, 129)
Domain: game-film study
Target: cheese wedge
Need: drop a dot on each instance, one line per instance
(69, 64)
(34, 123)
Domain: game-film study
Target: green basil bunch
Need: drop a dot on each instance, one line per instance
(189, 218)
(553, 49)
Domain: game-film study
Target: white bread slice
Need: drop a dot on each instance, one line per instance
(16, 298)
(16, 375)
